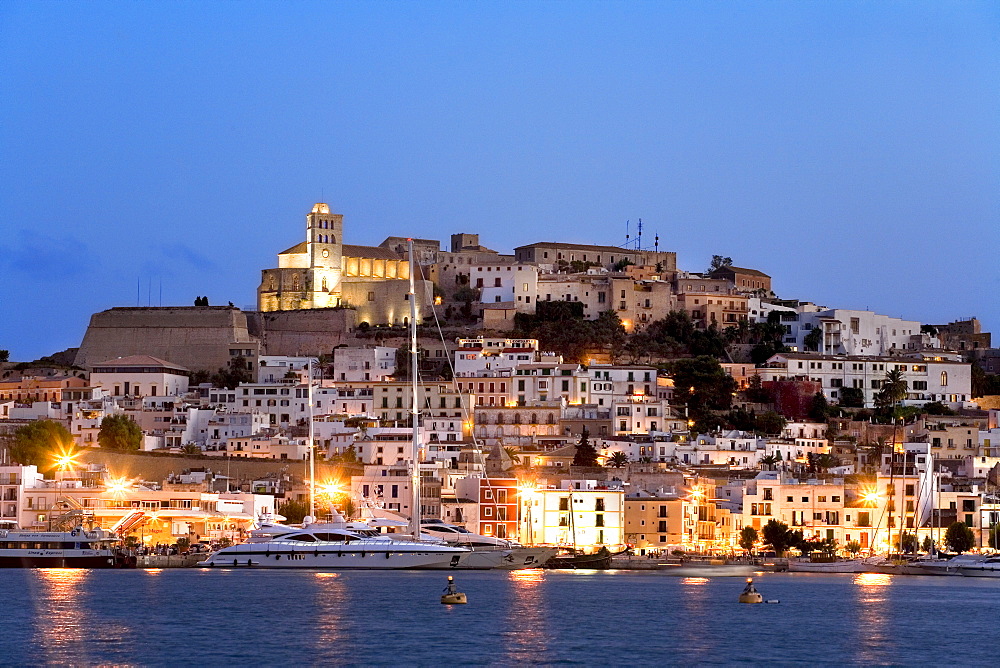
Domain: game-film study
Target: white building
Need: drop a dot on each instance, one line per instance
(927, 379)
(139, 376)
(361, 364)
(584, 513)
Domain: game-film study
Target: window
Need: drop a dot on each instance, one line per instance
(944, 379)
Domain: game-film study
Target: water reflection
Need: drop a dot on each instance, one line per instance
(526, 630)
(331, 608)
(873, 615)
(60, 625)
(695, 601)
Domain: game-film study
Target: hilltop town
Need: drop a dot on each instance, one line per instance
(682, 410)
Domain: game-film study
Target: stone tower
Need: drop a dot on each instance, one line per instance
(324, 248)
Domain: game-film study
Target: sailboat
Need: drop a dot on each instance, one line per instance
(343, 545)
(576, 558)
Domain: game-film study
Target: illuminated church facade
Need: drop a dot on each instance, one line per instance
(324, 272)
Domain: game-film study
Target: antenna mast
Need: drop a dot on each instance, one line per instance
(415, 511)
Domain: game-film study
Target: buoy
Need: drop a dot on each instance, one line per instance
(750, 594)
(452, 597)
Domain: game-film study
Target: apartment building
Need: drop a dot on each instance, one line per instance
(928, 379)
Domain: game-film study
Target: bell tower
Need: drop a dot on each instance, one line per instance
(324, 247)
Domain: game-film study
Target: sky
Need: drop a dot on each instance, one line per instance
(154, 152)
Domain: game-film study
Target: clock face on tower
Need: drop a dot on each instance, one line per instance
(326, 253)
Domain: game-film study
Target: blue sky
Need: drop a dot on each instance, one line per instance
(850, 150)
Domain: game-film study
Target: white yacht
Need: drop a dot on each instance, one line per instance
(334, 546)
(78, 548)
(513, 556)
(982, 568)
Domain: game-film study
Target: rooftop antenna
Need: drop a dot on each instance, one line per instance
(137, 281)
(638, 243)
(626, 234)
(656, 243)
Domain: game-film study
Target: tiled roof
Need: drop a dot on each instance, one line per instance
(370, 252)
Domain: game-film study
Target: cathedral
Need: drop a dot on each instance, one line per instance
(324, 272)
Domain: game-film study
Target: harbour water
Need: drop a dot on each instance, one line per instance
(184, 616)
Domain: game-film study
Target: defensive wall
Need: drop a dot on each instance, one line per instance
(303, 332)
(154, 467)
(195, 337)
(200, 337)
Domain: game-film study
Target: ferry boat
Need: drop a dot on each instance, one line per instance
(78, 548)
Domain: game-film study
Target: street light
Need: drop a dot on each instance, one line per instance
(527, 491)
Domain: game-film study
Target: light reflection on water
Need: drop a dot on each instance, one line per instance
(227, 617)
(331, 604)
(59, 618)
(873, 615)
(526, 630)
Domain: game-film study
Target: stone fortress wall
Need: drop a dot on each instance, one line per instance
(195, 337)
(304, 332)
(200, 337)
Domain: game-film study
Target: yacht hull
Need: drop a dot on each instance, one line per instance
(51, 561)
(257, 555)
(527, 557)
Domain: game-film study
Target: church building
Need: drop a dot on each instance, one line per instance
(324, 272)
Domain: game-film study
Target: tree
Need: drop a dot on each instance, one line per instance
(512, 453)
(812, 340)
(293, 511)
(894, 389)
(235, 373)
(852, 397)
(120, 433)
(994, 539)
(467, 295)
(191, 449)
(4, 356)
(618, 459)
(853, 547)
(770, 423)
(820, 408)
(718, 262)
(770, 461)
(959, 537)
(928, 544)
(756, 392)
(778, 536)
(907, 543)
(201, 301)
(586, 453)
(702, 384)
(36, 443)
(748, 538)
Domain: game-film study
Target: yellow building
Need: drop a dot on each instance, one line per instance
(324, 272)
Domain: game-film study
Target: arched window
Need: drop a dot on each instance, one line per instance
(295, 282)
(324, 284)
(499, 418)
(517, 418)
(333, 239)
(534, 418)
(552, 419)
(944, 379)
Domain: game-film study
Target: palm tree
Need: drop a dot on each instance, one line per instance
(512, 452)
(770, 461)
(894, 389)
(618, 459)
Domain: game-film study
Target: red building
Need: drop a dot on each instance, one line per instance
(498, 499)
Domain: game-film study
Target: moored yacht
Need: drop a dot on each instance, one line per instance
(514, 556)
(78, 548)
(334, 546)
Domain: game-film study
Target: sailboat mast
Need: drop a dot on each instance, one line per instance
(415, 511)
(312, 441)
